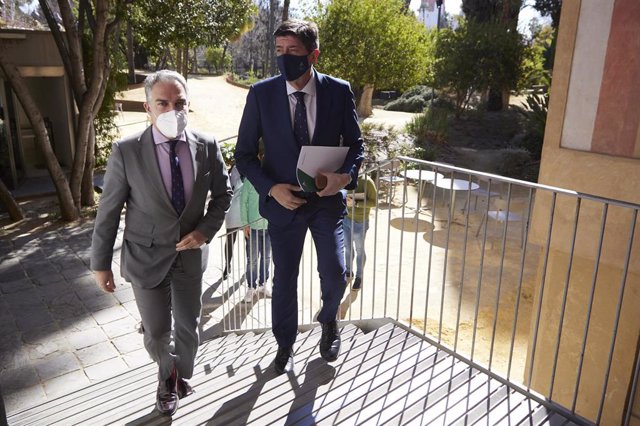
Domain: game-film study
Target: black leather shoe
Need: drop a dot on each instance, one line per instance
(184, 388)
(167, 396)
(330, 341)
(284, 360)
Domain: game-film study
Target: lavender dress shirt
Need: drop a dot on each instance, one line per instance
(184, 157)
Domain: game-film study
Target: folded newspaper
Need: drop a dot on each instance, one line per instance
(315, 159)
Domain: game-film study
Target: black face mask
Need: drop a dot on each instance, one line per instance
(293, 66)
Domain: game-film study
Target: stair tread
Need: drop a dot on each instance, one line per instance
(385, 376)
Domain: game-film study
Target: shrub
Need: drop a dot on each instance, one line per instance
(381, 143)
(536, 115)
(413, 100)
(430, 127)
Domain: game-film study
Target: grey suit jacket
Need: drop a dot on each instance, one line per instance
(152, 227)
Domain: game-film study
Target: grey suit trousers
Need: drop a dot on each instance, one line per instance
(181, 294)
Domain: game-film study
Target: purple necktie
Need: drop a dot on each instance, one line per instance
(177, 186)
(300, 127)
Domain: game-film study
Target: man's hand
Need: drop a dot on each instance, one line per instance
(247, 231)
(192, 240)
(283, 194)
(104, 279)
(335, 182)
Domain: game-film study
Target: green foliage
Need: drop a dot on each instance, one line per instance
(373, 42)
(476, 57)
(549, 8)
(217, 58)
(538, 106)
(413, 100)
(383, 142)
(535, 65)
(227, 149)
(430, 127)
(187, 24)
(247, 79)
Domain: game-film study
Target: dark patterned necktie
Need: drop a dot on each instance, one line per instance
(300, 127)
(177, 186)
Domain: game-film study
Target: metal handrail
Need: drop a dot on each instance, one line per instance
(488, 297)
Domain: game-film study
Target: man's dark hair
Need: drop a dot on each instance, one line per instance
(305, 31)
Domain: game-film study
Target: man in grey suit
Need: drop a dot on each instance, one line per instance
(164, 176)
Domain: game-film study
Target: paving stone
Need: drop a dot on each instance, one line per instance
(100, 302)
(53, 291)
(96, 353)
(125, 295)
(14, 275)
(8, 328)
(137, 358)
(44, 341)
(53, 278)
(128, 343)
(56, 365)
(68, 311)
(86, 338)
(111, 314)
(15, 286)
(9, 264)
(17, 302)
(13, 379)
(66, 384)
(87, 291)
(31, 318)
(133, 309)
(106, 369)
(71, 273)
(78, 324)
(13, 354)
(46, 348)
(42, 269)
(23, 398)
(84, 281)
(121, 327)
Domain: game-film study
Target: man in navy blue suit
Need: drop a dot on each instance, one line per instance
(300, 107)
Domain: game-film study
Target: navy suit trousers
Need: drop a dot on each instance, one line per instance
(287, 243)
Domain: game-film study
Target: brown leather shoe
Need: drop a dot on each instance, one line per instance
(184, 388)
(167, 396)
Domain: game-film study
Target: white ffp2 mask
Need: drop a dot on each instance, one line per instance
(171, 123)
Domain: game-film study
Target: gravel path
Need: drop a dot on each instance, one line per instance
(216, 108)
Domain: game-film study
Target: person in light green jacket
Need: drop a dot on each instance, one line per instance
(258, 244)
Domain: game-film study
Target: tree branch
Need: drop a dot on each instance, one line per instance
(78, 82)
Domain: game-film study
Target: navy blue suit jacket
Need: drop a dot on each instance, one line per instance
(266, 115)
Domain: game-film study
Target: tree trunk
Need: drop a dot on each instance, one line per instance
(87, 193)
(224, 54)
(271, 43)
(68, 209)
(185, 62)
(494, 100)
(7, 200)
(179, 59)
(194, 61)
(285, 10)
(364, 105)
(131, 56)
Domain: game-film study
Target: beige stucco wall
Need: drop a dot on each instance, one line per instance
(604, 176)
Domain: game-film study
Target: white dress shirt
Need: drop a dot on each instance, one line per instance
(309, 101)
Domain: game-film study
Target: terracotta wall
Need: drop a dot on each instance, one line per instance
(591, 146)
